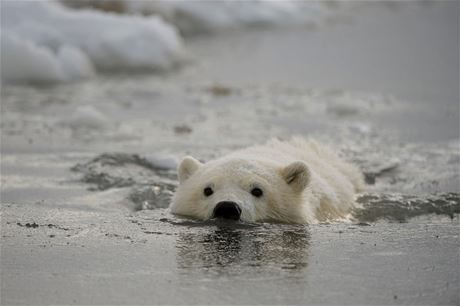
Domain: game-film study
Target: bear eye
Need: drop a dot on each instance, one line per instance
(208, 191)
(257, 192)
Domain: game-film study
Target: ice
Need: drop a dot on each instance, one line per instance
(23, 60)
(43, 41)
(75, 64)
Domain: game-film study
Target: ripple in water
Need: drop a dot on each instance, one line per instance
(152, 186)
(400, 208)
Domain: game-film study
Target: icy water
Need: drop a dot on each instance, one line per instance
(88, 170)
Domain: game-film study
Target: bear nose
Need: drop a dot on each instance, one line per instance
(227, 210)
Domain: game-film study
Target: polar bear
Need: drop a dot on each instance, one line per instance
(295, 181)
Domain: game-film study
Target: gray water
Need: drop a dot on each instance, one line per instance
(84, 201)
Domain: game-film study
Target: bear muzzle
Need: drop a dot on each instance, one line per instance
(227, 210)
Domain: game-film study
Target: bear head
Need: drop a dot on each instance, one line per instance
(241, 189)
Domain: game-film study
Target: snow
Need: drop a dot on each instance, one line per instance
(193, 17)
(75, 64)
(42, 41)
(25, 60)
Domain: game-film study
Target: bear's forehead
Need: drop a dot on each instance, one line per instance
(239, 167)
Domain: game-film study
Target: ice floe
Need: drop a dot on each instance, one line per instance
(43, 41)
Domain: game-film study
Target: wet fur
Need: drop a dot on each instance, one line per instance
(302, 180)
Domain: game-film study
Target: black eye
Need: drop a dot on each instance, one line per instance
(208, 191)
(257, 192)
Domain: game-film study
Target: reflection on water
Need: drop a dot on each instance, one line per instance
(230, 249)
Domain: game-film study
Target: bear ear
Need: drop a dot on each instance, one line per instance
(187, 167)
(296, 175)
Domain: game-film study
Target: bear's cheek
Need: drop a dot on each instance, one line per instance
(261, 210)
(275, 203)
(189, 201)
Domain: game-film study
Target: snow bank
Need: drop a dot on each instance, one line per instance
(210, 16)
(42, 41)
(24, 60)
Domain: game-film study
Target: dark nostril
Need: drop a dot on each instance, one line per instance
(227, 210)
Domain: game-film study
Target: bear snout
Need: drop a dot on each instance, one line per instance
(227, 210)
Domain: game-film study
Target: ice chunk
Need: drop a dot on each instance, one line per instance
(25, 61)
(74, 63)
(44, 41)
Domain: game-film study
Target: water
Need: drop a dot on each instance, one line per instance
(98, 182)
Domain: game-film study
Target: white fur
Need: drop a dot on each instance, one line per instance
(302, 182)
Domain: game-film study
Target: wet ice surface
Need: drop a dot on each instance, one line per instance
(87, 174)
